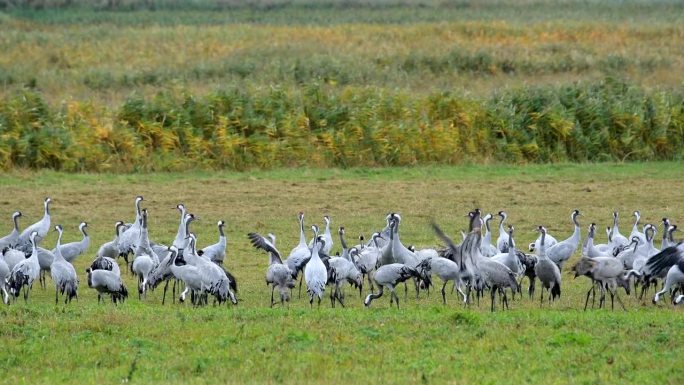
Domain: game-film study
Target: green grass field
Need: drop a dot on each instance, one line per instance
(423, 342)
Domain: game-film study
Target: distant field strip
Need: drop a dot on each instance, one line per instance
(129, 86)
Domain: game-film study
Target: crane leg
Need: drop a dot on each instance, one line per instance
(166, 286)
(493, 295)
(586, 301)
(300, 289)
(273, 289)
(444, 293)
(405, 291)
(530, 290)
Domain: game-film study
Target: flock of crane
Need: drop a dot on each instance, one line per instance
(474, 266)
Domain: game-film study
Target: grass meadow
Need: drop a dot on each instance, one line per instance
(424, 341)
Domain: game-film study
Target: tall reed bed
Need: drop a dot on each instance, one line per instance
(321, 126)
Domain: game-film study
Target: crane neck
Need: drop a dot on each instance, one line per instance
(511, 247)
(15, 219)
(302, 235)
(220, 229)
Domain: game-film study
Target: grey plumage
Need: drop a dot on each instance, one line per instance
(129, 238)
(12, 257)
(163, 273)
(447, 270)
(215, 281)
(494, 275)
(73, 249)
(41, 228)
(63, 273)
(670, 260)
(315, 272)
(389, 276)
(189, 274)
(547, 271)
(111, 249)
(278, 275)
(502, 241)
(10, 240)
(107, 282)
(216, 252)
(510, 259)
(106, 263)
(560, 252)
(606, 272)
(4, 276)
(25, 272)
(45, 258)
(145, 259)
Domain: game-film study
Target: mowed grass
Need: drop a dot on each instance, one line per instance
(142, 341)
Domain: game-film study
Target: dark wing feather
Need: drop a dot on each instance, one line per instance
(663, 260)
(259, 242)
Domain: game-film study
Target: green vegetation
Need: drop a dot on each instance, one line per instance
(423, 342)
(166, 85)
(319, 127)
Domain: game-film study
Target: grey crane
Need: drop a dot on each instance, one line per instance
(550, 242)
(41, 228)
(617, 239)
(447, 270)
(488, 250)
(25, 272)
(547, 271)
(45, 258)
(63, 273)
(345, 271)
(145, 259)
(665, 243)
(315, 272)
(106, 263)
(670, 260)
(127, 240)
(12, 257)
(327, 237)
(629, 254)
(635, 229)
(502, 241)
(493, 274)
(216, 252)
(560, 252)
(278, 275)
(72, 250)
(215, 280)
(389, 276)
(299, 255)
(4, 276)
(181, 240)
(189, 274)
(10, 240)
(400, 253)
(368, 258)
(591, 251)
(607, 273)
(510, 259)
(107, 282)
(162, 273)
(111, 249)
